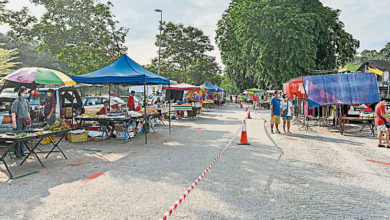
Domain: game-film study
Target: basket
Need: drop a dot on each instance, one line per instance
(78, 138)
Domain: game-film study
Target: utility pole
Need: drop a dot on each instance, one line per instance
(159, 49)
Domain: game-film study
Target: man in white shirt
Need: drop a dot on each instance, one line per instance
(287, 110)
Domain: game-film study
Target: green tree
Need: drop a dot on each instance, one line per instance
(264, 43)
(3, 11)
(28, 55)
(82, 33)
(225, 84)
(183, 54)
(383, 54)
(7, 58)
(205, 69)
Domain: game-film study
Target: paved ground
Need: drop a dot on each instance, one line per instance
(315, 174)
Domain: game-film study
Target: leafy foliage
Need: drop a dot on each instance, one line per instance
(28, 56)
(183, 55)
(82, 33)
(264, 43)
(383, 54)
(3, 11)
(7, 58)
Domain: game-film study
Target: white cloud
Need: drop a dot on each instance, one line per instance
(142, 51)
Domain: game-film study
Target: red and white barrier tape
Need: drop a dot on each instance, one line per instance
(192, 186)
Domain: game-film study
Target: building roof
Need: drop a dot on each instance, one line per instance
(379, 64)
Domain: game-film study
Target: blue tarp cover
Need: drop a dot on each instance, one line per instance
(123, 71)
(341, 89)
(211, 87)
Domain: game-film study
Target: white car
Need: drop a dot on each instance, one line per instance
(93, 104)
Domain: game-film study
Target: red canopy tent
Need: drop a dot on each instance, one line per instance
(182, 86)
(294, 86)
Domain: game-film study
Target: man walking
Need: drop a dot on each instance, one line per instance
(287, 110)
(255, 100)
(275, 112)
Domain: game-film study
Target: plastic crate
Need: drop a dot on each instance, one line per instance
(78, 138)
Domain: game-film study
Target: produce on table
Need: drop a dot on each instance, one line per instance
(89, 116)
(57, 126)
(23, 134)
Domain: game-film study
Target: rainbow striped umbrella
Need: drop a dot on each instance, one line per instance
(40, 76)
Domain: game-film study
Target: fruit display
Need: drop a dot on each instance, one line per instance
(89, 116)
(57, 126)
(23, 134)
(150, 111)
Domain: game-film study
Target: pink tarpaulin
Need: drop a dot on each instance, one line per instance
(182, 86)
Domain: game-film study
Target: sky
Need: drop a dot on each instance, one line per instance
(367, 20)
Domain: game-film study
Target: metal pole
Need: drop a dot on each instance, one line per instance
(145, 130)
(159, 49)
(109, 98)
(169, 108)
(73, 98)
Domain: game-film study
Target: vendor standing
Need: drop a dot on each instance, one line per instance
(21, 119)
(50, 107)
(130, 101)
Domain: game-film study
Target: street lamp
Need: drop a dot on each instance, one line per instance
(159, 49)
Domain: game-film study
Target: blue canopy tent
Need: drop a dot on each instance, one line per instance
(211, 87)
(124, 71)
(219, 89)
(341, 89)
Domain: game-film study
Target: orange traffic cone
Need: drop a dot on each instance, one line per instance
(244, 138)
(249, 114)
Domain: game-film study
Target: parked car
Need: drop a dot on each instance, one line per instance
(64, 96)
(93, 104)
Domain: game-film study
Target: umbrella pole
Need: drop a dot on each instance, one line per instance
(169, 108)
(145, 130)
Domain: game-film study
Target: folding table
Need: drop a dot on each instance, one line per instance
(33, 148)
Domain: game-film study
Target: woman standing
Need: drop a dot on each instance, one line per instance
(21, 117)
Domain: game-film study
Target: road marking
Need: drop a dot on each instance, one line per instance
(192, 186)
(93, 176)
(377, 162)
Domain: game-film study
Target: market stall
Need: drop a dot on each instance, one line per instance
(124, 71)
(212, 90)
(337, 90)
(190, 106)
(32, 78)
